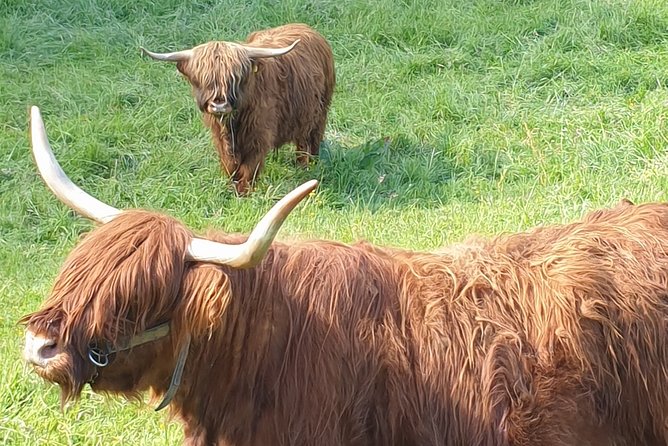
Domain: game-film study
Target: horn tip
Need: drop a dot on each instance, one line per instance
(34, 112)
(36, 121)
(148, 53)
(307, 188)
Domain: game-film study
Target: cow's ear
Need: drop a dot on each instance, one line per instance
(206, 296)
(182, 67)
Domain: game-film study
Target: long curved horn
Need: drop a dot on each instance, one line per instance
(176, 56)
(255, 52)
(58, 182)
(251, 252)
(245, 255)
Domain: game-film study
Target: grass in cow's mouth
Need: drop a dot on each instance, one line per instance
(448, 118)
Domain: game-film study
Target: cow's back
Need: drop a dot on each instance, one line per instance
(564, 323)
(302, 81)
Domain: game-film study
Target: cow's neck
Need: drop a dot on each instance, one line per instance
(279, 321)
(220, 366)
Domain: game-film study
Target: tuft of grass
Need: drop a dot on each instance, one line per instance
(449, 118)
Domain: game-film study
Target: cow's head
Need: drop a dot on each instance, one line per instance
(219, 71)
(121, 311)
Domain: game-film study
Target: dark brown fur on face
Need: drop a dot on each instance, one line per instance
(549, 337)
(274, 100)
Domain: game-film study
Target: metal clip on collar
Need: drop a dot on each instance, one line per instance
(98, 356)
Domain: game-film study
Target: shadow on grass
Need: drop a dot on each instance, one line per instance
(388, 172)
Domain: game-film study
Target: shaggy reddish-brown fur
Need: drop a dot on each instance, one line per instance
(276, 100)
(554, 336)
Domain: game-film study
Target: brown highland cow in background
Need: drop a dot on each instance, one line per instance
(552, 337)
(274, 89)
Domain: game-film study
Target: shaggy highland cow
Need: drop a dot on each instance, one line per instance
(274, 89)
(556, 336)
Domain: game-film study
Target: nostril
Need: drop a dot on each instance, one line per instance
(48, 350)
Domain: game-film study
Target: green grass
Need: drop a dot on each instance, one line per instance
(449, 118)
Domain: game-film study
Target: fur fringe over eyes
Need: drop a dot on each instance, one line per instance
(118, 281)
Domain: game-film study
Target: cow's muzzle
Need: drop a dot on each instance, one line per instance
(39, 350)
(219, 108)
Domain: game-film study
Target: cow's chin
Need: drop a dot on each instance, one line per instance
(70, 376)
(126, 376)
(223, 118)
(72, 382)
(116, 388)
(120, 384)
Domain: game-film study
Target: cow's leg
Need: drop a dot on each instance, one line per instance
(302, 156)
(236, 170)
(248, 171)
(303, 152)
(309, 146)
(229, 164)
(229, 161)
(315, 138)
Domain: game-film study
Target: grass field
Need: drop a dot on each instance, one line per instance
(449, 118)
